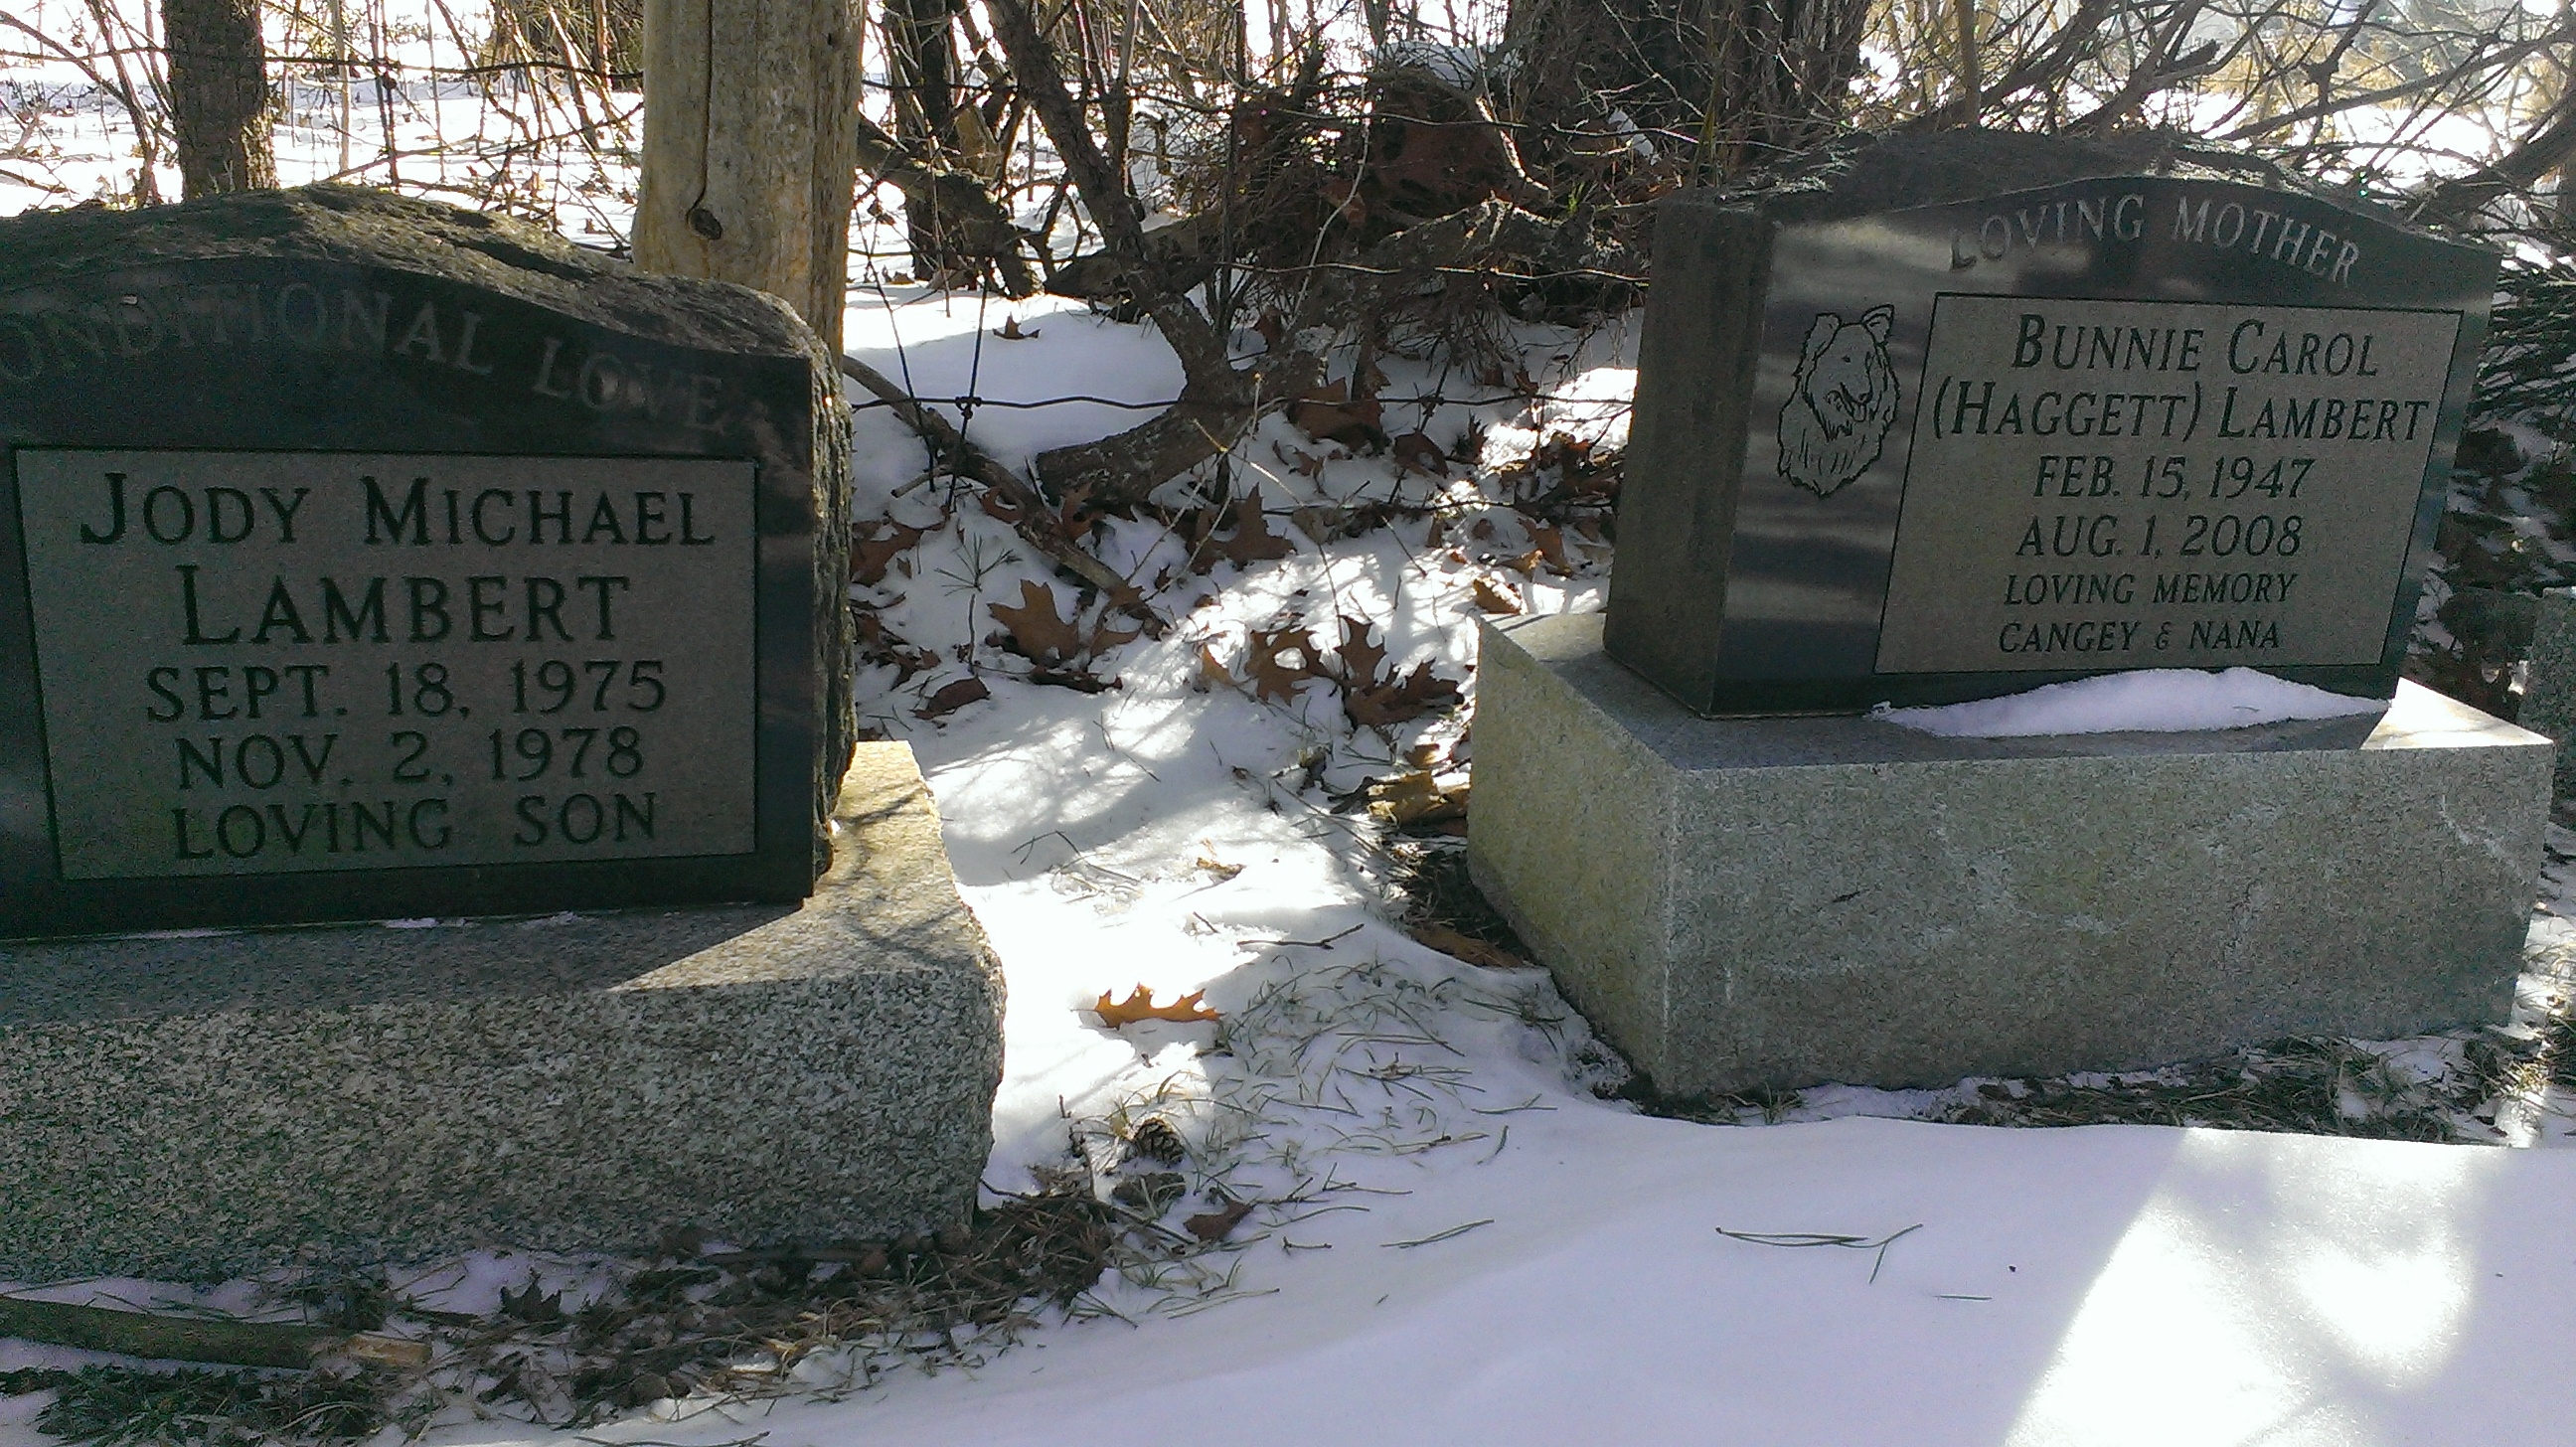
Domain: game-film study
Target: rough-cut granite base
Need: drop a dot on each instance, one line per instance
(1776, 902)
(201, 1105)
(2549, 708)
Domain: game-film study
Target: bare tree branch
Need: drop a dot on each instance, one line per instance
(2504, 58)
(1217, 402)
(2550, 144)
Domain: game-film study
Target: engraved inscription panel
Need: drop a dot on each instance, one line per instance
(2123, 484)
(276, 661)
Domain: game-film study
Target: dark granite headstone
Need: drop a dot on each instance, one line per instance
(1950, 417)
(362, 557)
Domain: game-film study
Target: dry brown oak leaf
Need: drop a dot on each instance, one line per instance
(952, 698)
(1330, 414)
(1361, 659)
(1466, 947)
(1416, 452)
(873, 550)
(1415, 797)
(1279, 659)
(1212, 673)
(1374, 702)
(878, 645)
(1069, 520)
(1139, 1005)
(1548, 547)
(1214, 1225)
(1393, 702)
(1253, 541)
(1047, 638)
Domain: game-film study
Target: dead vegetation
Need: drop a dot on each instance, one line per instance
(569, 1348)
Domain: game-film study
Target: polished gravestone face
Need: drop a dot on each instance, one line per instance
(1983, 412)
(365, 559)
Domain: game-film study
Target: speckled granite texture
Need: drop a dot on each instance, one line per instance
(200, 1106)
(2550, 707)
(1778, 902)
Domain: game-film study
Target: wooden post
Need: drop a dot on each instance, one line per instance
(750, 148)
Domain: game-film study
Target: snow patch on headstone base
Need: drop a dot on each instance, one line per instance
(2156, 700)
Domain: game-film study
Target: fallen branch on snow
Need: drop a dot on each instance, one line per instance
(198, 1339)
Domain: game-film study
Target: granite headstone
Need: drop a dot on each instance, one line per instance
(363, 557)
(1949, 417)
(366, 559)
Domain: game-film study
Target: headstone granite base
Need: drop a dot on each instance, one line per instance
(1778, 902)
(2549, 708)
(765, 1073)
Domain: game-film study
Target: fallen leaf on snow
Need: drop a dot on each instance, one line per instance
(1011, 332)
(1139, 1005)
(1213, 674)
(1279, 659)
(1492, 599)
(1361, 659)
(1038, 632)
(1217, 1224)
(1375, 702)
(1397, 700)
(1415, 796)
(881, 646)
(527, 1304)
(1330, 414)
(952, 698)
(1549, 543)
(874, 550)
(1253, 541)
(1465, 947)
(1416, 452)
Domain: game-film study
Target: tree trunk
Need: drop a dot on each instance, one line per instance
(921, 64)
(975, 230)
(750, 158)
(219, 95)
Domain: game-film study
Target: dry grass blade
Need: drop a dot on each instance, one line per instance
(1796, 1239)
(1437, 1236)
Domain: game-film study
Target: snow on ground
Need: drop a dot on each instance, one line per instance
(1455, 1240)
(2109, 1285)
(1460, 1243)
